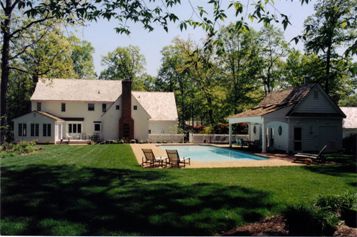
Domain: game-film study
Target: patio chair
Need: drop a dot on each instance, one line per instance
(174, 159)
(311, 157)
(149, 159)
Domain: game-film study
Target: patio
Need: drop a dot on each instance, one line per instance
(274, 160)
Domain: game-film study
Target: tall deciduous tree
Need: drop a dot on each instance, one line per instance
(238, 58)
(273, 49)
(330, 31)
(82, 57)
(123, 63)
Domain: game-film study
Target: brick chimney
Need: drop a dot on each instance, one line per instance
(126, 123)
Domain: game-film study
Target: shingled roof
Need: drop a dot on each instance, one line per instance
(351, 117)
(77, 90)
(159, 105)
(277, 100)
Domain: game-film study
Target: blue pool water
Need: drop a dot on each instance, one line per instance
(211, 153)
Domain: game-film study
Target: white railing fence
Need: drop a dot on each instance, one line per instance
(169, 138)
(215, 138)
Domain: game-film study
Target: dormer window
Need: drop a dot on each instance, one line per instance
(38, 106)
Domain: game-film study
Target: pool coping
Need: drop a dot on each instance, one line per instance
(271, 161)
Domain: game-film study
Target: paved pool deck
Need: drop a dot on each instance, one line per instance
(273, 160)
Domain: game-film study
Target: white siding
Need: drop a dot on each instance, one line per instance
(280, 141)
(141, 120)
(74, 109)
(35, 118)
(110, 121)
(316, 133)
(310, 104)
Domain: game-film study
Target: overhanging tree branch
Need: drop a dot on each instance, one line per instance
(30, 24)
(27, 46)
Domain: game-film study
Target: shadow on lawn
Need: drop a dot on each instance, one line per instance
(342, 165)
(65, 200)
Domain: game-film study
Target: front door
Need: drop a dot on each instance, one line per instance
(297, 139)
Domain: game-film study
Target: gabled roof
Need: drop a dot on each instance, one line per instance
(48, 115)
(77, 90)
(277, 100)
(159, 105)
(351, 117)
(291, 97)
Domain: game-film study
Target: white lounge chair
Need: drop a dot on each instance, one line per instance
(311, 157)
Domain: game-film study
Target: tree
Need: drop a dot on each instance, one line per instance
(49, 57)
(173, 78)
(273, 49)
(238, 57)
(330, 29)
(123, 63)
(82, 57)
(303, 68)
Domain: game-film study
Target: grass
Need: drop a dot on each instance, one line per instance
(101, 190)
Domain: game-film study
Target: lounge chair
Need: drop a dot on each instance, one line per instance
(149, 159)
(311, 157)
(174, 159)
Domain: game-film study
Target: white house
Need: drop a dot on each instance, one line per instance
(80, 109)
(296, 119)
(350, 122)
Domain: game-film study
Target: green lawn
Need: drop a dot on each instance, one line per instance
(101, 190)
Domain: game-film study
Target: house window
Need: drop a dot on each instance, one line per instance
(149, 131)
(63, 107)
(135, 107)
(90, 107)
(74, 128)
(35, 127)
(97, 127)
(280, 130)
(22, 129)
(316, 95)
(104, 108)
(38, 106)
(254, 129)
(117, 107)
(46, 130)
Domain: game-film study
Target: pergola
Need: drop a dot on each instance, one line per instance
(250, 120)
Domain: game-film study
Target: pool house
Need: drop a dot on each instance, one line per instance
(297, 119)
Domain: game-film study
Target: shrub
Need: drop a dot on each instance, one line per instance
(22, 147)
(337, 203)
(322, 217)
(310, 220)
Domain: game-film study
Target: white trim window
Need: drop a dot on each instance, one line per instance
(97, 127)
(35, 129)
(22, 130)
(74, 128)
(46, 130)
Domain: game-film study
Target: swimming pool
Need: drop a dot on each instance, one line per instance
(211, 153)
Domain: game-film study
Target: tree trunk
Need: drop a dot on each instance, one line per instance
(5, 68)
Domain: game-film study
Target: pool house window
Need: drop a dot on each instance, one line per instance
(22, 129)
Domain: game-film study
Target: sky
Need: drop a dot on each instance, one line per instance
(104, 39)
